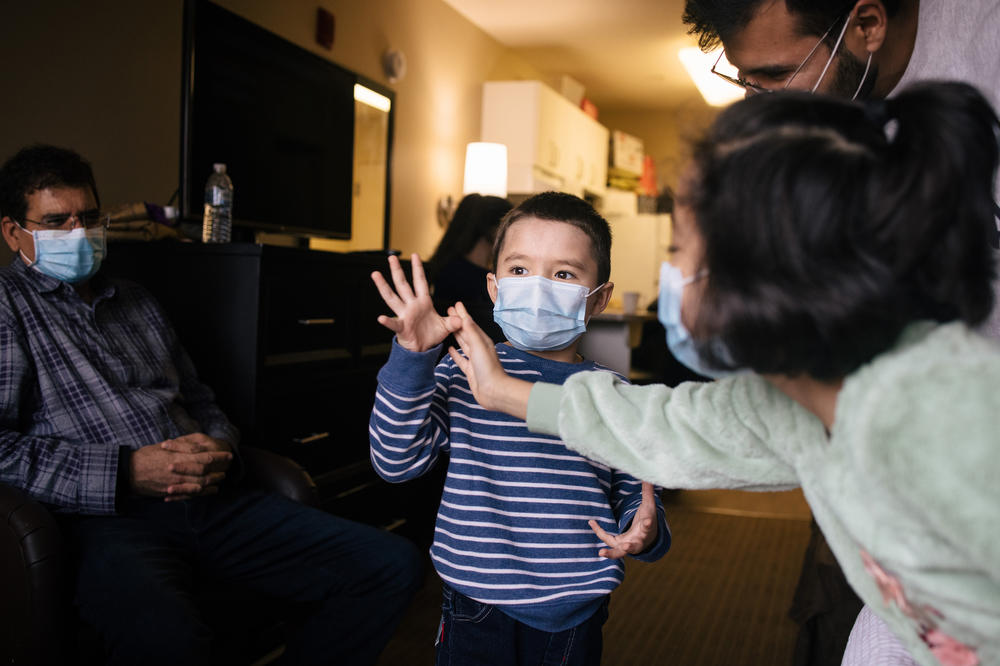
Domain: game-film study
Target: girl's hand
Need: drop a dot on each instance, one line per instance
(492, 387)
(639, 536)
(417, 326)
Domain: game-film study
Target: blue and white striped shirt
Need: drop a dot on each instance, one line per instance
(512, 525)
(79, 381)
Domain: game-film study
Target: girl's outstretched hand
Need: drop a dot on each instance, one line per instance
(639, 536)
(417, 325)
(493, 388)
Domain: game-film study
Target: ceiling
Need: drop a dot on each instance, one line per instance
(624, 52)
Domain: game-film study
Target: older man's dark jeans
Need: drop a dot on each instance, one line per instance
(141, 574)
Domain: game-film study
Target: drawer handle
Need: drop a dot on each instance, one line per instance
(308, 439)
(320, 321)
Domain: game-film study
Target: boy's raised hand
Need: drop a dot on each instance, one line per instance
(492, 387)
(417, 325)
(640, 535)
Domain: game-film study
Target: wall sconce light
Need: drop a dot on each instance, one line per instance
(714, 89)
(485, 173)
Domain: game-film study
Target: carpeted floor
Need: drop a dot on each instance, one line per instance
(719, 598)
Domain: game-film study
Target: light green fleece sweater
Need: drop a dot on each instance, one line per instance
(909, 475)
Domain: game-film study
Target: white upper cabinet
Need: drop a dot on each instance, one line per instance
(551, 144)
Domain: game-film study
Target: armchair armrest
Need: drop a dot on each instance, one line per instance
(271, 471)
(32, 569)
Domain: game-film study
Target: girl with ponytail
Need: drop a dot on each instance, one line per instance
(832, 263)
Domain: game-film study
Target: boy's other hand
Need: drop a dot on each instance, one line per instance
(417, 326)
(492, 387)
(640, 535)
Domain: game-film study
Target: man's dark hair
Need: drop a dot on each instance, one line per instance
(476, 217)
(715, 21)
(831, 225)
(562, 207)
(39, 167)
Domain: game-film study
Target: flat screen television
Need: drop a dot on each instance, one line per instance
(280, 117)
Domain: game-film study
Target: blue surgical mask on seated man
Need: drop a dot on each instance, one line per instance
(538, 314)
(679, 340)
(70, 255)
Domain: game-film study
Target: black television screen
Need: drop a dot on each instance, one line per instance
(280, 118)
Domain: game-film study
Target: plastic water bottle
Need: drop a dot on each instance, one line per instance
(217, 224)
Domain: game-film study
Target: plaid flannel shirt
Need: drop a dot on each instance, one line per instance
(79, 381)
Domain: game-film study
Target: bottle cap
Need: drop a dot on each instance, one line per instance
(219, 167)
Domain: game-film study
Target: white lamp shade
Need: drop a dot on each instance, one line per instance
(485, 169)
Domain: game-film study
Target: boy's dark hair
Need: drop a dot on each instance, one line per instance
(830, 225)
(39, 167)
(477, 216)
(562, 207)
(715, 21)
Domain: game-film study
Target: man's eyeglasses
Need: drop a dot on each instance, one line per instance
(753, 89)
(91, 219)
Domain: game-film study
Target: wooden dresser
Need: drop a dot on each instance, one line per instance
(288, 340)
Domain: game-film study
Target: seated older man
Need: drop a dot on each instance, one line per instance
(103, 419)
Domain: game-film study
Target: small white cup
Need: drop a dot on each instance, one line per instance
(630, 302)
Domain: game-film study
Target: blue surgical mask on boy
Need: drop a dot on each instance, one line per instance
(538, 314)
(679, 340)
(70, 255)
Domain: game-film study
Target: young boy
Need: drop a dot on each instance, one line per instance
(525, 579)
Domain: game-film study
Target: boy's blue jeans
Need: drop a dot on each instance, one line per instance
(476, 634)
(142, 574)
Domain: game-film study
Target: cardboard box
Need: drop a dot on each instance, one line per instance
(626, 153)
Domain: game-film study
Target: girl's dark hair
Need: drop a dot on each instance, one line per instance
(563, 207)
(39, 167)
(830, 225)
(477, 216)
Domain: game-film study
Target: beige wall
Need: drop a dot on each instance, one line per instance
(103, 77)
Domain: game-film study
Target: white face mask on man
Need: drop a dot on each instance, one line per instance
(70, 255)
(538, 314)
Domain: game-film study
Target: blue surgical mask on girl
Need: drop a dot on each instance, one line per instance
(70, 255)
(679, 340)
(538, 314)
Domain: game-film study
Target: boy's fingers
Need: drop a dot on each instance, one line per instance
(391, 323)
(599, 531)
(386, 292)
(419, 278)
(399, 279)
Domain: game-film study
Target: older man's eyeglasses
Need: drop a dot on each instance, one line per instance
(91, 219)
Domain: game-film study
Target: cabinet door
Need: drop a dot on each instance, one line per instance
(597, 157)
(510, 116)
(551, 144)
(555, 132)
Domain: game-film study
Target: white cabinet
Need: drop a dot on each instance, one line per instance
(640, 245)
(551, 144)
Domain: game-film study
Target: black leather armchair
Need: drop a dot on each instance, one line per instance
(37, 622)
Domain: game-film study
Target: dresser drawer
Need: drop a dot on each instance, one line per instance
(318, 414)
(306, 310)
